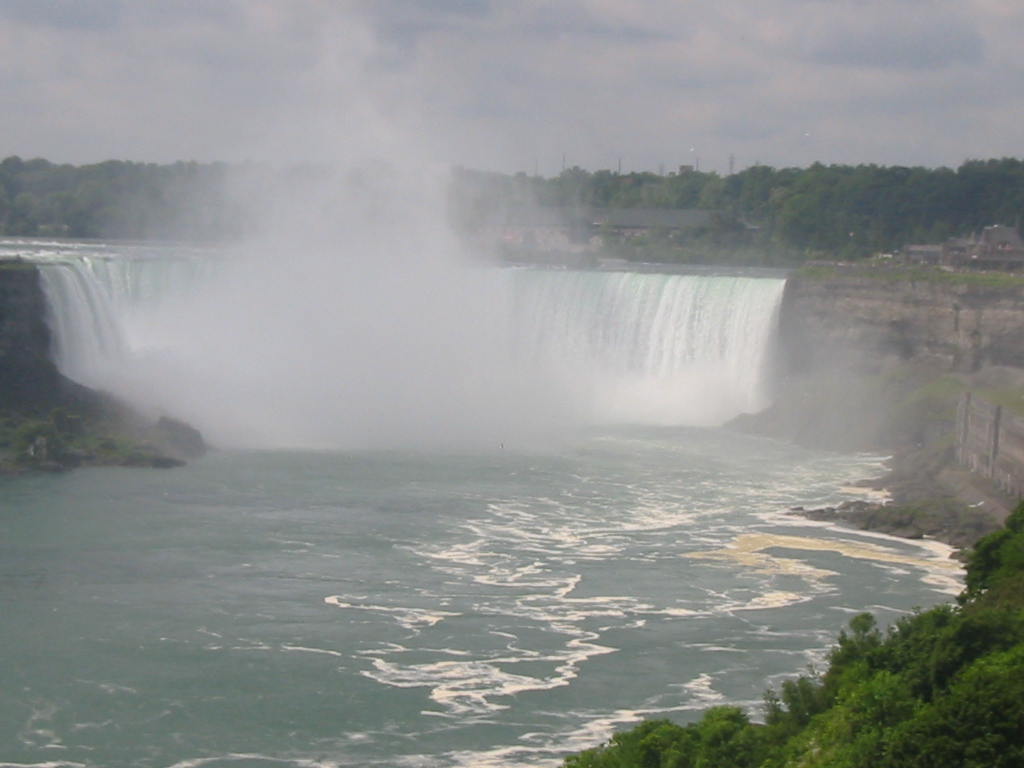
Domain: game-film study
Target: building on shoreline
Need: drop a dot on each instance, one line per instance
(995, 247)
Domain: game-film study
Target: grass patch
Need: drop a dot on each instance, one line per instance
(889, 274)
(66, 439)
(1011, 399)
(16, 265)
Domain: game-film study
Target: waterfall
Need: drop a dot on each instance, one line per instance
(102, 304)
(281, 359)
(87, 334)
(653, 348)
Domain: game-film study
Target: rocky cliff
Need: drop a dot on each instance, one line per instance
(874, 359)
(877, 359)
(29, 381)
(48, 421)
(868, 317)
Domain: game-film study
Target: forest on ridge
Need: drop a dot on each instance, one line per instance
(770, 215)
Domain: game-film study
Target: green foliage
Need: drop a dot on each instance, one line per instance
(830, 211)
(874, 270)
(115, 199)
(769, 215)
(997, 560)
(65, 439)
(800, 700)
(37, 441)
(943, 688)
(723, 737)
(978, 724)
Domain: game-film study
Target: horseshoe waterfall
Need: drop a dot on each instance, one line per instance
(614, 347)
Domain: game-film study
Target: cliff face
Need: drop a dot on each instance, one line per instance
(872, 359)
(27, 376)
(865, 321)
(878, 360)
(48, 421)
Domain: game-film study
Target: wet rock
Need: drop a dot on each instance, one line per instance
(178, 439)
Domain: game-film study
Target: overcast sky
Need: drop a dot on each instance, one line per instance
(515, 84)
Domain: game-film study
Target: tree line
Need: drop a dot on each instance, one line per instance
(943, 688)
(823, 211)
(116, 199)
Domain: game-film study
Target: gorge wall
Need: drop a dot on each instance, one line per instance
(872, 358)
(28, 378)
(990, 441)
(48, 421)
(865, 317)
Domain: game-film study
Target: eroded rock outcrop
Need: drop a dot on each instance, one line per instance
(865, 317)
(48, 421)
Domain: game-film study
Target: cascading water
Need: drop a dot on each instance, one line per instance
(653, 348)
(591, 347)
(87, 336)
(102, 304)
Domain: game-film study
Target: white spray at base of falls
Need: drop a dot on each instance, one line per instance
(319, 364)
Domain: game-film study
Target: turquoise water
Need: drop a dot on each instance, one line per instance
(503, 607)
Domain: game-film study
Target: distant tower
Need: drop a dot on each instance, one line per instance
(732, 164)
(661, 169)
(620, 167)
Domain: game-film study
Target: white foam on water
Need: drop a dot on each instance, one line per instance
(550, 749)
(702, 690)
(231, 757)
(35, 731)
(411, 618)
(745, 551)
(768, 600)
(748, 550)
(464, 687)
(716, 648)
(304, 649)
(92, 726)
(111, 688)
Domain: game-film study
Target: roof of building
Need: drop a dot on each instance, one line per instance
(1000, 235)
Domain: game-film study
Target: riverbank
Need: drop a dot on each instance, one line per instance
(923, 493)
(66, 439)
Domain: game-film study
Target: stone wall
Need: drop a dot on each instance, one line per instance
(990, 442)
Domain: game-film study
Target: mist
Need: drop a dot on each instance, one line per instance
(352, 315)
(353, 319)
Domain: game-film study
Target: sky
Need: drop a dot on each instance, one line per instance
(515, 85)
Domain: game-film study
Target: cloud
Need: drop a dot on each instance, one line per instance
(511, 85)
(67, 14)
(892, 36)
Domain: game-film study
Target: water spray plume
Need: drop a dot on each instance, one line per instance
(352, 316)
